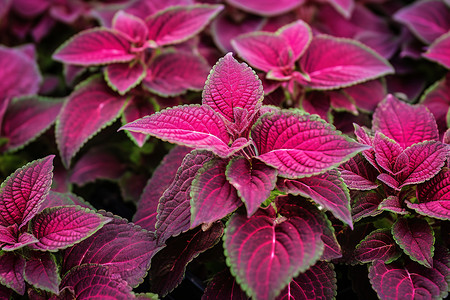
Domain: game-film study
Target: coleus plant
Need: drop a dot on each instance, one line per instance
(246, 153)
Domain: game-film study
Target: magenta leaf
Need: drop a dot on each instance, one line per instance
(94, 281)
(416, 238)
(393, 204)
(253, 181)
(358, 174)
(162, 178)
(61, 199)
(223, 286)
(427, 20)
(212, 196)
(300, 145)
(179, 23)
(169, 264)
(174, 215)
(365, 205)
(189, 125)
(63, 226)
(23, 192)
(344, 7)
(367, 95)
(138, 107)
(404, 123)
(436, 99)
(378, 245)
(174, 72)
(91, 107)
(133, 27)
(13, 239)
(265, 252)
(387, 154)
(232, 85)
(332, 249)
(337, 62)
(94, 47)
(439, 51)
(122, 77)
(327, 190)
(298, 36)
(41, 271)
(12, 268)
(27, 118)
(318, 282)
(266, 7)
(125, 248)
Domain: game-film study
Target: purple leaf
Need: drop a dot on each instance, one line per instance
(231, 85)
(416, 238)
(91, 107)
(437, 100)
(392, 203)
(404, 123)
(122, 77)
(358, 174)
(378, 245)
(94, 47)
(332, 249)
(265, 251)
(94, 281)
(266, 7)
(365, 204)
(300, 145)
(133, 27)
(212, 196)
(161, 179)
(169, 265)
(62, 199)
(327, 190)
(23, 192)
(179, 23)
(63, 226)
(125, 248)
(189, 125)
(173, 72)
(298, 36)
(344, 7)
(318, 282)
(427, 20)
(439, 51)
(367, 95)
(26, 118)
(387, 154)
(12, 268)
(337, 62)
(13, 239)
(138, 107)
(224, 286)
(41, 271)
(174, 215)
(253, 181)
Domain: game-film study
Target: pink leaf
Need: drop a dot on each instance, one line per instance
(416, 238)
(297, 35)
(91, 107)
(344, 7)
(232, 85)
(332, 249)
(393, 204)
(358, 174)
(189, 125)
(133, 27)
(61, 199)
(337, 62)
(367, 95)
(175, 72)
(265, 251)
(23, 192)
(179, 23)
(439, 51)
(14, 240)
(94, 47)
(122, 77)
(253, 181)
(266, 7)
(41, 271)
(223, 286)
(63, 226)
(212, 196)
(365, 205)
(378, 245)
(387, 154)
(300, 145)
(404, 123)
(437, 100)
(12, 268)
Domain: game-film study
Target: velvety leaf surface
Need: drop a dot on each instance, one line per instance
(161, 179)
(223, 286)
(179, 23)
(91, 107)
(125, 248)
(404, 123)
(327, 190)
(94, 281)
(22, 193)
(318, 282)
(358, 174)
(174, 72)
(169, 264)
(378, 245)
(174, 209)
(387, 154)
(393, 204)
(253, 181)
(212, 196)
(266, 7)
(138, 107)
(63, 226)
(416, 238)
(41, 271)
(439, 51)
(122, 77)
(95, 46)
(12, 268)
(365, 205)
(231, 84)
(190, 125)
(332, 249)
(266, 252)
(336, 62)
(300, 145)
(298, 35)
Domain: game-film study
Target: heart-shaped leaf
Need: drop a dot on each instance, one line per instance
(42, 272)
(439, 51)
(122, 77)
(12, 268)
(378, 245)
(266, 7)
(358, 174)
